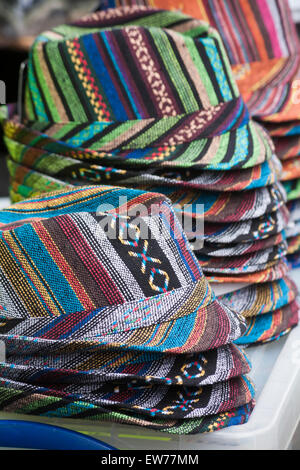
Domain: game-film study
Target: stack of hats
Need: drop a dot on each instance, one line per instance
(263, 47)
(121, 328)
(114, 99)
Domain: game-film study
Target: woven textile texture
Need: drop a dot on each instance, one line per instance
(260, 299)
(252, 262)
(271, 326)
(227, 250)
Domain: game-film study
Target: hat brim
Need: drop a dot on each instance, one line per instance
(61, 408)
(259, 299)
(245, 263)
(247, 231)
(239, 249)
(74, 171)
(211, 205)
(203, 322)
(271, 326)
(190, 370)
(157, 401)
(270, 274)
(244, 147)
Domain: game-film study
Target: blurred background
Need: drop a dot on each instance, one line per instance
(21, 21)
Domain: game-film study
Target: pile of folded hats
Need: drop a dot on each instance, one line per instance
(263, 47)
(146, 98)
(120, 328)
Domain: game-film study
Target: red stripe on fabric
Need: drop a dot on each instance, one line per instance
(92, 263)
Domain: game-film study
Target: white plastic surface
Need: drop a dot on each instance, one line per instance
(272, 425)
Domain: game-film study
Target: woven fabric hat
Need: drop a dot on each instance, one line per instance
(75, 171)
(272, 273)
(25, 182)
(247, 231)
(132, 292)
(211, 205)
(262, 45)
(239, 249)
(156, 401)
(128, 104)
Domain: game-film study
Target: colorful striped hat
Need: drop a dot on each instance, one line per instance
(134, 290)
(39, 403)
(262, 45)
(111, 89)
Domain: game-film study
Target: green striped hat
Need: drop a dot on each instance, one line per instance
(113, 89)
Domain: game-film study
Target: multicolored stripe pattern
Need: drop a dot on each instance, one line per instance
(262, 45)
(67, 277)
(250, 263)
(115, 366)
(59, 407)
(239, 249)
(252, 30)
(262, 299)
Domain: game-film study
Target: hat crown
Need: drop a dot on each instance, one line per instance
(118, 74)
(86, 260)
